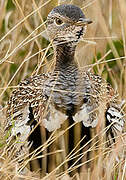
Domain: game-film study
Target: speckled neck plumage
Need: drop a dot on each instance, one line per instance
(65, 57)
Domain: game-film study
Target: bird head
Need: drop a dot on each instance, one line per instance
(66, 24)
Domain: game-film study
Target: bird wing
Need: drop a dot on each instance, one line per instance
(115, 121)
(25, 104)
(100, 92)
(95, 91)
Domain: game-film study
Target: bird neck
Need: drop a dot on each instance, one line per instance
(65, 56)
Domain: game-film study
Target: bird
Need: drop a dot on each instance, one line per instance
(68, 92)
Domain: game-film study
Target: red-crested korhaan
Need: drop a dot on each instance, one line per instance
(68, 92)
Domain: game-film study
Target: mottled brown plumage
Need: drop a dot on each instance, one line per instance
(67, 92)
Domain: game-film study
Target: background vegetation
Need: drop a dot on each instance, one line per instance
(25, 50)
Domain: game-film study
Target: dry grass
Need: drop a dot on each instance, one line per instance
(25, 50)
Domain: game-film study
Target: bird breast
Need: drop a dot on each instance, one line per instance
(66, 91)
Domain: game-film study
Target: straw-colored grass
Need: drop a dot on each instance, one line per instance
(25, 50)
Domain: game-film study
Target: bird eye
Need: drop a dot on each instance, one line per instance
(58, 21)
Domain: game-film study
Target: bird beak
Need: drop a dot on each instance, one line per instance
(83, 22)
